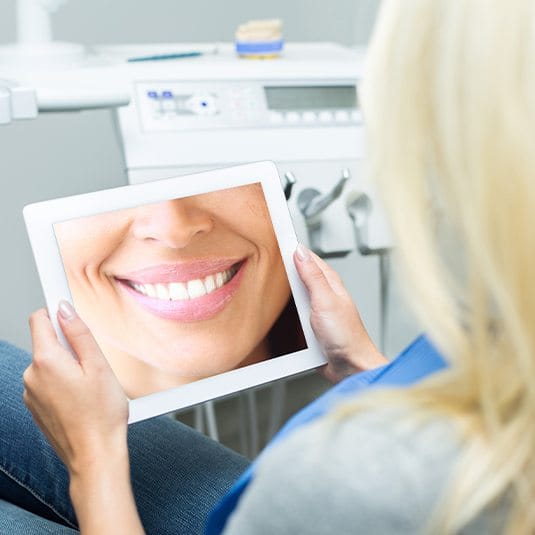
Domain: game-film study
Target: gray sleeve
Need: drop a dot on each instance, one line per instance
(363, 474)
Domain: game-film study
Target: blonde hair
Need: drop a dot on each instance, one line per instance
(449, 102)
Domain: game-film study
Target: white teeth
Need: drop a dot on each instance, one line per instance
(196, 289)
(180, 291)
(209, 284)
(162, 292)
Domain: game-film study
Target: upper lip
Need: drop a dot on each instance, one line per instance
(179, 272)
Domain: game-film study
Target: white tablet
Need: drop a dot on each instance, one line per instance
(188, 284)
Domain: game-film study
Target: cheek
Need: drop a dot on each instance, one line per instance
(257, 229)
(241, 208)
(85, 244)
(83, 258)
(266, 242)
(280, 287)
(272, 269)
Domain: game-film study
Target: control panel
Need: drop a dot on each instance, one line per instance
(169, 106)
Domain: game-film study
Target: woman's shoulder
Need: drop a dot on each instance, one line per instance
(378, 471)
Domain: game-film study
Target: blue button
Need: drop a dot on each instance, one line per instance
(152, 94)
(167, 94)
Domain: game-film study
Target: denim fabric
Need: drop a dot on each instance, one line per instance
(17, 521)
(178, 475)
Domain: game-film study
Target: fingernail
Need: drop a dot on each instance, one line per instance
(302, 253)
(66, 310)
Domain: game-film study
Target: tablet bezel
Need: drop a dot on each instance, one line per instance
(40, 219)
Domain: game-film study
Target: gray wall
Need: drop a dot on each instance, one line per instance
(142, 21)
(65, 154)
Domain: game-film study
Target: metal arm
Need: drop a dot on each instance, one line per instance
(312, 203)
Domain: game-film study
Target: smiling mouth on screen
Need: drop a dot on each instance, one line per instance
(185, 292)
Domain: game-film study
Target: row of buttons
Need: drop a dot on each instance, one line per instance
(339, 116)
(156, 95)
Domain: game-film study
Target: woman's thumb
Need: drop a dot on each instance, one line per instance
(313, 277)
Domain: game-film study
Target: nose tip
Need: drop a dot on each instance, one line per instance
(174, 224)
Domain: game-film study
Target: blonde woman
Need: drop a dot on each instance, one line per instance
(449, 100)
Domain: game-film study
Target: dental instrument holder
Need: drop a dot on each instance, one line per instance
(312, 203)
(290, 181)
(359, 208)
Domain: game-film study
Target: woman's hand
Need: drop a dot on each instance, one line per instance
(83, 411)
(77, 402)
(335, 320)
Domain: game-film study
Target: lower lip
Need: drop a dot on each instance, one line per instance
(190, 310)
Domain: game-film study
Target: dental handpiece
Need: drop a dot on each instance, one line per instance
(359, 207)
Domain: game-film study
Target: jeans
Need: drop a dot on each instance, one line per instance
(178, 475)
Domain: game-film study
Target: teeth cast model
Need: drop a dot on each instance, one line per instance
(182, 291)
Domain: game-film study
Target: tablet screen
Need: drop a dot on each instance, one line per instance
(182, 289)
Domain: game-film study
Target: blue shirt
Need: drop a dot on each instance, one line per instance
(416, 362)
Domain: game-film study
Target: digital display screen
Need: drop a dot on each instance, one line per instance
(182, 289)
(311, 98)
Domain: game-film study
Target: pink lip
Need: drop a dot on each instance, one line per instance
(190, 310)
